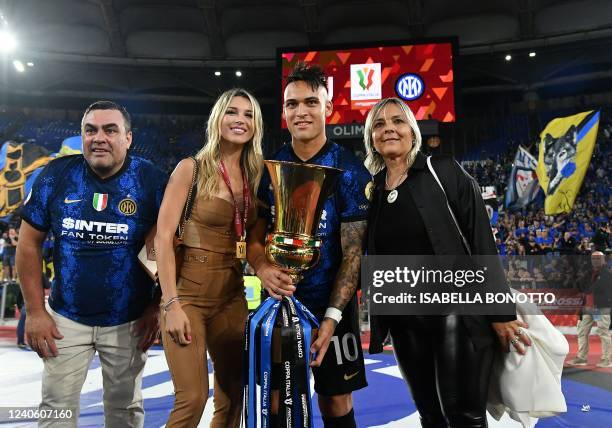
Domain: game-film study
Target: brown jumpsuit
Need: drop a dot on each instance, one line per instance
(211, 291)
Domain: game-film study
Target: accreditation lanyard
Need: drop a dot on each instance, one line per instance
(239, 223)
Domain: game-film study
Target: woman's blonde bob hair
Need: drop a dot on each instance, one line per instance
(209, 156)
(374, 162)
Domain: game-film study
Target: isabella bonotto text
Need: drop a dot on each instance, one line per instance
(439, 285)
(464, 298)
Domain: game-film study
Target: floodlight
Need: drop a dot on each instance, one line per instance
(18, 66)
(7, 41)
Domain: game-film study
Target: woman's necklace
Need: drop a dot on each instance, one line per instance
(392, 197)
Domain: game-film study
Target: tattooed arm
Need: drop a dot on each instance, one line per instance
(347, 278)
(351, 237)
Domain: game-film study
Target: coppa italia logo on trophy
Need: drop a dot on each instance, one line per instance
(366, 87)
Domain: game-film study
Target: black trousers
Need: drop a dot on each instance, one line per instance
(447, 375)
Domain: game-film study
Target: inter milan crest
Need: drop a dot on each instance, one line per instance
(127, 206)
(100, 200)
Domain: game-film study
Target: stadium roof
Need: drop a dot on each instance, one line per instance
(169, 50)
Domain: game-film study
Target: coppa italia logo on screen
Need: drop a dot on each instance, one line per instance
(365, 78)
(366, 88)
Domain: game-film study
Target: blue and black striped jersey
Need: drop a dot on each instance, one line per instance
(99, 227)
(349, 203)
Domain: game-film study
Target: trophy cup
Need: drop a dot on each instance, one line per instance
(300, 191)
(280, 333)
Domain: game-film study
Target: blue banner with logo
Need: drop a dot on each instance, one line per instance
(490, 199)
(523, 185)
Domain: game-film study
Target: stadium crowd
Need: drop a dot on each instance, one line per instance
(531, 232)
(519, 233)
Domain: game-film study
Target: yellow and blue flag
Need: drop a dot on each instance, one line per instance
(71, 146)
(566, 146)
(20, 164)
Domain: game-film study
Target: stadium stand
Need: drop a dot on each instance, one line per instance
(167, 62)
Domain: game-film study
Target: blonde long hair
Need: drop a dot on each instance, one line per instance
(374, 162)
(209, 156)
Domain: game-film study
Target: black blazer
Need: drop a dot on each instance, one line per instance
(465, 199)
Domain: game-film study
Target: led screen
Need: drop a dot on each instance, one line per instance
(419, 73)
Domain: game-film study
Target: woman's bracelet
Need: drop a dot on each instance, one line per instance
(169, 302)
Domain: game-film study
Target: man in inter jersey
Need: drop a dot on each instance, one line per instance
(99, 207)
(328, 289)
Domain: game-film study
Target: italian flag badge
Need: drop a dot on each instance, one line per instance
(100, 200)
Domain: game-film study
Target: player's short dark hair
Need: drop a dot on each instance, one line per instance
(110, 105)
(313, 75)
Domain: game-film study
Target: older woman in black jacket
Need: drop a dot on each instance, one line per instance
(446, 359)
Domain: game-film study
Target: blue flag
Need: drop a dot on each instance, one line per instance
(523, 186)
(490, 199)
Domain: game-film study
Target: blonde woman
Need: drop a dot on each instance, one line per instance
(445, 359)
(205, 308)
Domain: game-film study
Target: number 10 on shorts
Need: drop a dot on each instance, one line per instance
(345, 348)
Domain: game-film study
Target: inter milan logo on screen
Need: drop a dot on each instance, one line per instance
(409, 87)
